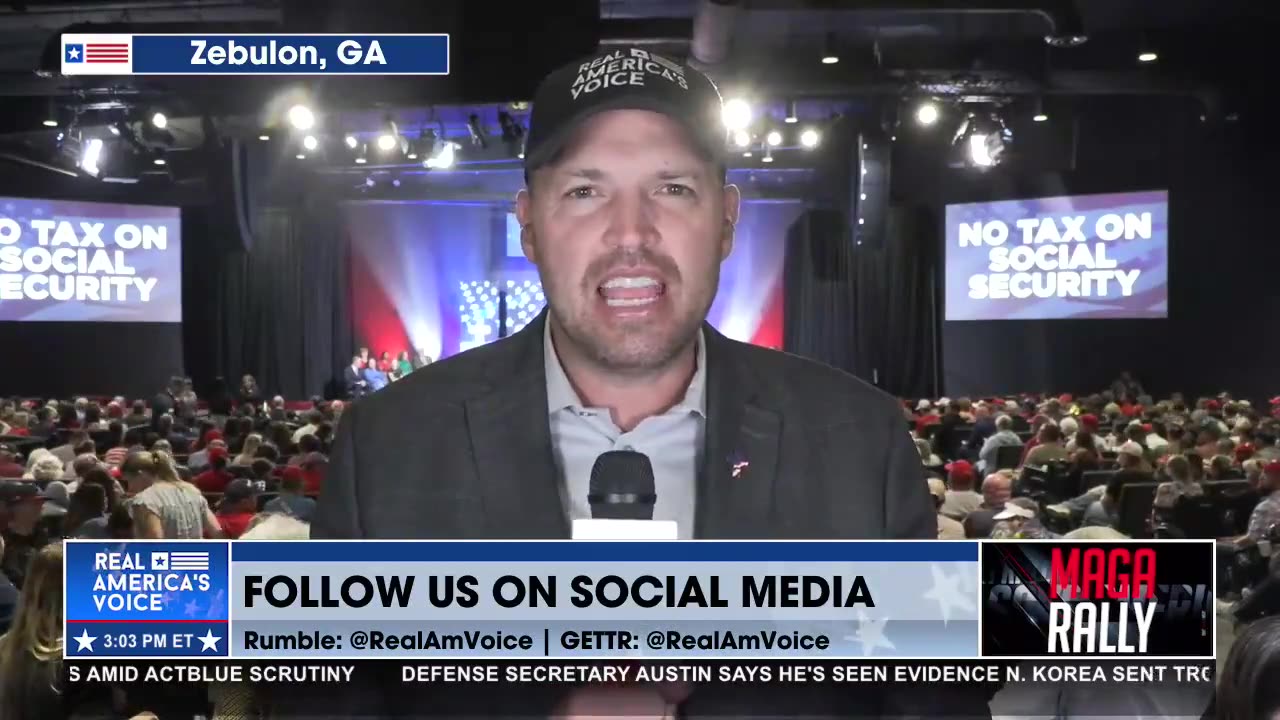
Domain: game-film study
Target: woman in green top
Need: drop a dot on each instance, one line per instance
(403, 366)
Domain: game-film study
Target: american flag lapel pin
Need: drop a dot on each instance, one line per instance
(737, 464)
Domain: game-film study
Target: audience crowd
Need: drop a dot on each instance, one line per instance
(1112, 464)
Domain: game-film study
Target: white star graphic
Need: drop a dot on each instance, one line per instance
(74, 53)
(946, 592)
(871, 634)
(84, 640)
(209, 641)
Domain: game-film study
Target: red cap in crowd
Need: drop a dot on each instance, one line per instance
(1244, 451)
(1213, 405)
(1089, 421)
(216, 453)
(1273, 468)
(1065, 398)
(960, 467)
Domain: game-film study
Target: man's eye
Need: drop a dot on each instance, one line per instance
(677, 189)
(581, 192)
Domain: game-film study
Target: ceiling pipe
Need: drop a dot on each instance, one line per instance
(10, 157)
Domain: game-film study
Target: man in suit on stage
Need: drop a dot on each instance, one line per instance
(627, 216)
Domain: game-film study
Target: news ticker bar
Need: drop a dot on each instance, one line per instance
(255, 54)
(1104, 672)
(608, 600)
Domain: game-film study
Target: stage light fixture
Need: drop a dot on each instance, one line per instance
(310, 143)
(984, 139)
(927, 114)
(159, 161)
(51, 114)
(264, 138)
(443, 156)
(768, 154)
(301, 156)
(829, 55)
(301, 117)
(1039, 115)
(741, 138)
(362, 155)
(809, 138)
(1148, 56)
(159, 120)
(773, 138)
(791, 117)
(736, 114)
(476, 131)
(91, 155)
(351, 141)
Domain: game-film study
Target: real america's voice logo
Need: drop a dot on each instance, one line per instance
(1110, 599)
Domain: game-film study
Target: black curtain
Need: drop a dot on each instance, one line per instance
(820, 303)
(896, 308)
(279, 309)
(871, 312)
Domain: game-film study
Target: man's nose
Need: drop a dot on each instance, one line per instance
(632, 223)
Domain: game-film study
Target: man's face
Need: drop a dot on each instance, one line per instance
(628, 230)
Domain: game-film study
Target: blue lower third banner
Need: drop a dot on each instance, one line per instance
(252, 54)
(147, 599)
(508, 600)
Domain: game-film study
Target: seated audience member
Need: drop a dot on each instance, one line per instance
(1048, 449)
(404, 365)
(198, 461)
(291, 500)
(116, 454)
(1105, 511)
(1180, 483)
(307, 444)
(314, 467)
(137, 416)
(166, 429)
(1220, 468)
(961, 499)
(353, 378)
(927, 457)
(421, 360)
(66, 452)
(216, 477)
(948, 529)
(164, 505)
(20, 426)
(238, 506)
(314, 418)
(1004, 436)
(44, 425)
(248, 393)
(1019, 519)
(262, 470)
(1247, 687)
(248, 451)
(9, 465)
(8, 597)
(1267, 512)
(87, 514)
(996, 490)
(375, 378)
(20, 511)
(94, 419)
(47, 468)
(98, 528)
(31, 680)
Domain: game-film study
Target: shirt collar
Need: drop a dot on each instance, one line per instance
(561, 395)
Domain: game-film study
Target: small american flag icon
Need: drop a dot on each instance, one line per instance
(180, 561)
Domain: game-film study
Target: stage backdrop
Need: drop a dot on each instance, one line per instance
(428, 275)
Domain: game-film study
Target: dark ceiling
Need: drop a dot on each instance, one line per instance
(1210, 51)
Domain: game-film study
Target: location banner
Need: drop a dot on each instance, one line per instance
(434, 600)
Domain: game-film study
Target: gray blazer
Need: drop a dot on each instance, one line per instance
(462, 450)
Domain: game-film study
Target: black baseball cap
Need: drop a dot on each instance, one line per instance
(625, 78)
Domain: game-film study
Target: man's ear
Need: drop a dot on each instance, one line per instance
(524, 216)
(732, 208)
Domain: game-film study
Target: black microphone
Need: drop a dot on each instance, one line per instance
(622, 486)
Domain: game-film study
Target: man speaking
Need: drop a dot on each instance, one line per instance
(628, 217)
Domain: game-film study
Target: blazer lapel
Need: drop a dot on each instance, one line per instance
(736, 486)
(511, 444)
